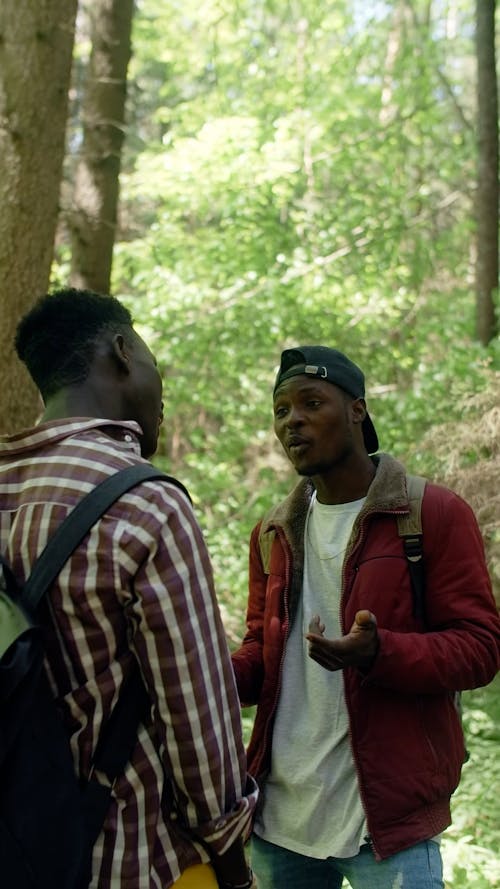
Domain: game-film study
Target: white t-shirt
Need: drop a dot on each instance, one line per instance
(311, 799)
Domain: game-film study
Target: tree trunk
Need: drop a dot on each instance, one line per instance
(395, 38)
(487, 213)
(36, 43)
(92, 219)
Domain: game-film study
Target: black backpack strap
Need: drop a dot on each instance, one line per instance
(118, 737)
(79, 522)
(410, 531)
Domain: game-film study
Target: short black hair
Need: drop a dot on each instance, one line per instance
(56, 339)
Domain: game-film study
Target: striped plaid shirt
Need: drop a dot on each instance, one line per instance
(140, 586)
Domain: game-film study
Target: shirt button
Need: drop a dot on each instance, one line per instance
(127, 437)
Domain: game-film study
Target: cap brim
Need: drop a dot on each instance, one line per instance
(369, 435)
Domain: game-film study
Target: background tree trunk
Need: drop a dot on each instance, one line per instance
(92, 219)
(487, 213)
(395, 38)
(36, 42)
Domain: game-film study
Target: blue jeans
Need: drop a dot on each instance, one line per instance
(419, 867)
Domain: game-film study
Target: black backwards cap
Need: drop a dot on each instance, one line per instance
(334, 367)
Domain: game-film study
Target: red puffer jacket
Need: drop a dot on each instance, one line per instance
(406, 737)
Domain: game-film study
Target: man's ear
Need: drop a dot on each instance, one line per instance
(358, 408)
(121, 353)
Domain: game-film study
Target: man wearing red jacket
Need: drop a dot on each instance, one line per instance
(357, 744)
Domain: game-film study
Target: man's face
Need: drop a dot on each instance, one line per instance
(315, 421)
(145, 395)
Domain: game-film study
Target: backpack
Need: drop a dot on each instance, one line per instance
(410, 531)
(48, 821)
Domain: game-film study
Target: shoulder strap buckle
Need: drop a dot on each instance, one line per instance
(410, 531)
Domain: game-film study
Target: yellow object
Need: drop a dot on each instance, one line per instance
(199, 876)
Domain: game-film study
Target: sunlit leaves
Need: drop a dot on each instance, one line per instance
(301, 172)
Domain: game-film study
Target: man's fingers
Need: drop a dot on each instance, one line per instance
(316, 626)
(329, 662)
(365, 619)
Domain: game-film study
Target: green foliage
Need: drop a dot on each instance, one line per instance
(470, 845)
(301, 172)
(296, 172)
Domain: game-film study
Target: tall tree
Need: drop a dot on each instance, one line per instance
(92, 218)
(487, 212)
(36, 42)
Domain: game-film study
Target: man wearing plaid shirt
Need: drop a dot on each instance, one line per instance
(138, 589)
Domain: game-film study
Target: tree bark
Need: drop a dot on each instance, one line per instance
(394, 41)
(36, 43)
(487, 212)
(92, 219)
